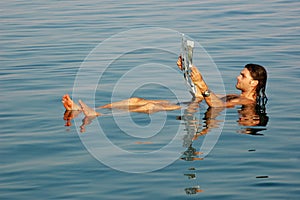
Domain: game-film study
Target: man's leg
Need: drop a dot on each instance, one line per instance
(152, 107)
(134, 101)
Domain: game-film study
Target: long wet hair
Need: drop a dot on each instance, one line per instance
(259, 73)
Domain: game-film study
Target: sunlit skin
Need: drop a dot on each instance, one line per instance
(245, 84)
(69, 104)
(247, 98)
(132, 105)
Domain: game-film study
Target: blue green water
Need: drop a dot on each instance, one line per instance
(43, 47)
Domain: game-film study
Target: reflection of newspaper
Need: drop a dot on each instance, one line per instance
(195, 128)
(187, 47)
(192, 125)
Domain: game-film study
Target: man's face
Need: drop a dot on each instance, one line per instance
(244, 80)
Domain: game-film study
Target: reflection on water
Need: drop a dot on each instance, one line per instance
(69, 115)
(252, 118)
(193, 190)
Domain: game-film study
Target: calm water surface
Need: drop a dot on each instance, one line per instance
(43, 44)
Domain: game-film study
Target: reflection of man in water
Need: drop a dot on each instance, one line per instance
(252, 115)
(254, 118)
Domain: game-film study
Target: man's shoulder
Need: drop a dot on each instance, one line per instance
(233, 100)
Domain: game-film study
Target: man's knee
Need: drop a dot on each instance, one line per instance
(135, 100)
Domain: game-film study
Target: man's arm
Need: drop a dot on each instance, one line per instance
(212, 100)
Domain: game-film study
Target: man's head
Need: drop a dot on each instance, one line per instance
(259, 74)
(253, 78)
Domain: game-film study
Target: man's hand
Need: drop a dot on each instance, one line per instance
(196, 76)
(179, 63)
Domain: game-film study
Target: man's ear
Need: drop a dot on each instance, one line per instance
(254, 83)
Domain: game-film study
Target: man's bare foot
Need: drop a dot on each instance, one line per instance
(88, 112)
(69, 103)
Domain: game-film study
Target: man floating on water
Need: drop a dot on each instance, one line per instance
(251, 82)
